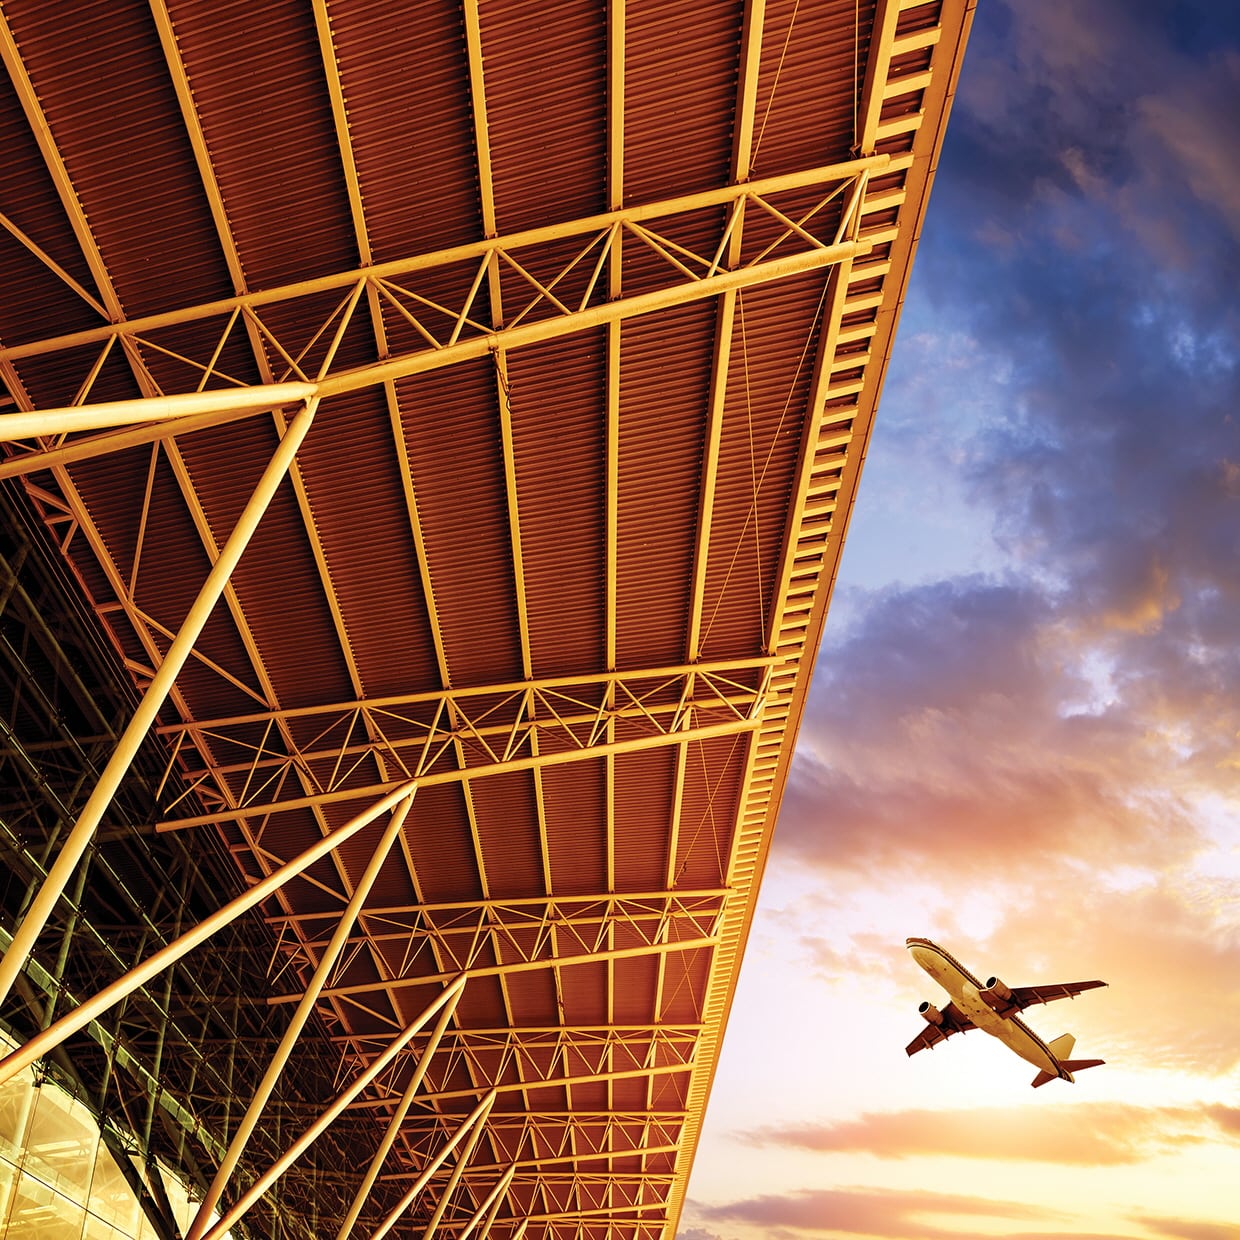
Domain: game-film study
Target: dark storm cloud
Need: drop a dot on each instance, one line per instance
(1087, 1134)
(867, 1211)
(1085, 230)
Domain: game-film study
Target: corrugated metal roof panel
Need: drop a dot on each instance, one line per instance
(680, 92)
(406, 88)
(546, 107)
(263, 104)
(456, 460)
(113, 113)
(662, 424)
(557, 399)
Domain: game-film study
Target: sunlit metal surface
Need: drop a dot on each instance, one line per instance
(505, 382)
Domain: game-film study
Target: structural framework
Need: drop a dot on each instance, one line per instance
(449, 414)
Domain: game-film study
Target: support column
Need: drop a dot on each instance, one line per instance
(83, 831)
(473, 1122)
(82, 1015)
(305, 1008)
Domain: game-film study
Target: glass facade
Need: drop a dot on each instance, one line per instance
(58, 1180)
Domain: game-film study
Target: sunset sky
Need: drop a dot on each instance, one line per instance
(1023, 739)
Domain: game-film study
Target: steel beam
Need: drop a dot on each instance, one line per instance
(443, 1005)
(470, 1126)
(597, 225)
(502, 970)
(398, 1118)
(301, 1016)
(235, 400)
(680, 737)
(84, 829)
(84, 1014)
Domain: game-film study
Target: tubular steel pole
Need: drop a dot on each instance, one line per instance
(305, 1009)
(81, 1016)
(458, 1170)
(491, 1203)
(476, 1117)
(118, 765)
(398, 1116)
(447, 1001)
(41, 422)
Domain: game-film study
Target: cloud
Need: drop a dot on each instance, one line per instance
(1184, 1229)
(697, 1233)
(867, 1211)
(1171, 954)
(1085, 1134)
(955, 732)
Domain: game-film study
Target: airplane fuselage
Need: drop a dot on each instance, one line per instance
(965, 989)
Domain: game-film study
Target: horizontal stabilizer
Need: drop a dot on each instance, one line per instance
(1070, 1066)
(1079, 1065)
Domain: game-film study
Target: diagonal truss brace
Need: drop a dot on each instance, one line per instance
(561, 295)
(242, 764)
(127, 747)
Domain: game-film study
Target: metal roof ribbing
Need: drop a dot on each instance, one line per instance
(520, 564)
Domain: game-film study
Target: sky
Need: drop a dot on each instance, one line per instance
(1022, 736)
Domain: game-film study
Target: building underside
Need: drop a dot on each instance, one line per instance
(429, 437)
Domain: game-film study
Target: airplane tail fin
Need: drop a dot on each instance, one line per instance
(1069, 1066)
(1062, 1046)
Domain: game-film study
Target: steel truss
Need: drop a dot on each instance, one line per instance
(422, 314)
(451, 736)
(163, 1069)
(241, 766)
(667, 267)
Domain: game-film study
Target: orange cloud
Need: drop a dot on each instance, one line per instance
(1084, 1134)
(1170, 961)
(962, 729)
(867, 1211)
(1184, 1229)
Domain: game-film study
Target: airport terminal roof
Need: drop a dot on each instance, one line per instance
(586, 308)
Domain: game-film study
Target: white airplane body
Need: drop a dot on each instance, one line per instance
(993, 1007)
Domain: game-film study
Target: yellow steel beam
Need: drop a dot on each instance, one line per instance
(595, 224)
(29, 99)
(634, 676)
(508, 1087)
(532, 762)
(877, 66)
(501, 970)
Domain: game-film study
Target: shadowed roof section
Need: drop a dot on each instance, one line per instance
(596, 301)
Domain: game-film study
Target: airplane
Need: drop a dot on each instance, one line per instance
(994, 1007)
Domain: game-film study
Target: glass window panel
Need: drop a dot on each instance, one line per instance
(8, 1177)
(178, 1199)
(16, 1097)
(97, 1229)
(60, 1146)
(110, 1195)
(40, 1214)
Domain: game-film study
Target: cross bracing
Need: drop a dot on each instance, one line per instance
(466, 528)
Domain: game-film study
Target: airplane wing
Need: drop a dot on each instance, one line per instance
(1027, 996)
(954, 1021)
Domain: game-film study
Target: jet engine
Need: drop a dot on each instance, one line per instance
(931, 1013)
(996, 996)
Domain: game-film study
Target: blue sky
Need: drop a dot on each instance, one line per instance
(1022, 737)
